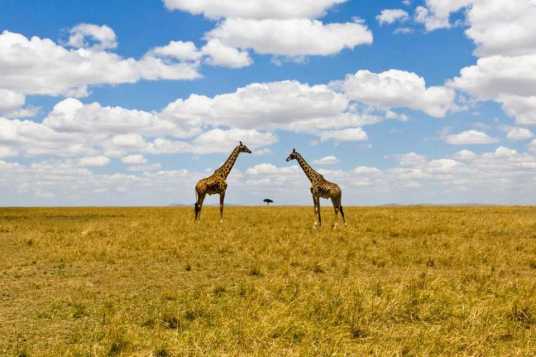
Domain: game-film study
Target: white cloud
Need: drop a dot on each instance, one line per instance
(395, 88)
(436, 13)
(261, 106)
(465, 155)
(225, 56)
(503, 27)
(389, 16)
(351, 134)
(254, 9)
(129, 141)
(92, 37)
(72, 116)
(40, 66)
(495, 76)
(463, 178)
(327, 160)
(217, 140)
(510, 81)
(134, 160)
(10, 101)
(94, 161)
(521, 108)
(469, 137)
(28, 138)
(290, 37)
(504, 35)
(519, 134)
(178, 50)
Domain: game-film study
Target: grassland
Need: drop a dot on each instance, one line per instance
(148, 281)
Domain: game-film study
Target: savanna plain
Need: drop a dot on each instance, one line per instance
(395, 281)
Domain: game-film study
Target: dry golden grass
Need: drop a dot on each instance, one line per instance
(148, 281)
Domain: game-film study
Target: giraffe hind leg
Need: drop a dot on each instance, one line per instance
(337, 209)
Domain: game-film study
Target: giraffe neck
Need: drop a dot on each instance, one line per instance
(227, 166)
(311, 174)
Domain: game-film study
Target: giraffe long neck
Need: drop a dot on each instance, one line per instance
(311, 174)
(227, 166)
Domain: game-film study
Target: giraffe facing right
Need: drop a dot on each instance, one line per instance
(320, 188)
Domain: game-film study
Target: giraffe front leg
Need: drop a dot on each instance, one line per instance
(318, 219)
(222, 199)
(199, 206)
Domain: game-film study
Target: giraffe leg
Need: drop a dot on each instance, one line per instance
(342, 214)
(317, 211)
(336, 207)
(222, 199)
(199, 205)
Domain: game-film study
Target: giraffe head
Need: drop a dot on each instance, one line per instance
(243, 148)
(293, 155)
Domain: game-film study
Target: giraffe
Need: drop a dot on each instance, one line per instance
(320, 188)
(215, 184)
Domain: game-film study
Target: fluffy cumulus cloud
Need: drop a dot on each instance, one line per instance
(74, 129)
(262, 105)
(502, 27)
(10, 101)
(389, 16)
(290, 37)
(395, 88)
(469, 137)
(190, 125)
(279, 28)
(219, 54)
(92, 36)
(179, 50)
(197, 124)
(435, 14)
(254, 9)
(506, 46)
(40, 66)
(285, 105)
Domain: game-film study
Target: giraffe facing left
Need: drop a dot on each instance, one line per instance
(216, 183)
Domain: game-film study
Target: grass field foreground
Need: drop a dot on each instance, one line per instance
(148, 281)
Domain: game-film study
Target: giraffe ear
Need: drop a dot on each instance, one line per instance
(293, 150)
(241, 143)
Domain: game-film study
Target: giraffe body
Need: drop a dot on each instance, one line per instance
(320, 188)
(216, 183)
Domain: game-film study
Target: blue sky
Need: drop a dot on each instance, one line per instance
(115, 103)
